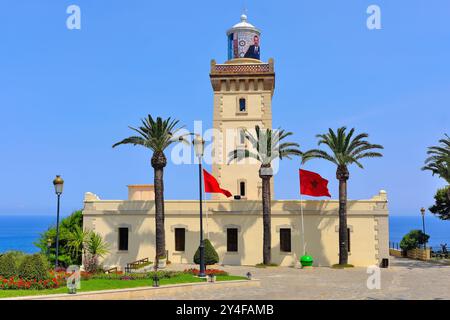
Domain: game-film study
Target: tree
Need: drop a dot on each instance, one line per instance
(211, 256)
(438, 161)
(267, 146)
(94, 247)
(441, 207)
(67, 256)
(156, 136)
(413, 239)
(345, 150)
(76, 240)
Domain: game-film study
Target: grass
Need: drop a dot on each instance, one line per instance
(104, 284)
(262, 265)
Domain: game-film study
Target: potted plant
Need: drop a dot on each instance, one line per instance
(162, 262)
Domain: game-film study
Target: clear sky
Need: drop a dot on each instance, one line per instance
(67, 95)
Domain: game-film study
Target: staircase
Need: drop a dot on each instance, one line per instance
(132, 266)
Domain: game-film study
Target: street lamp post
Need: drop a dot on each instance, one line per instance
(199, 146)
(49, 245)
(58, 183)
(422, 211)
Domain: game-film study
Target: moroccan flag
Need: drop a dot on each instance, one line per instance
(212, 186)
(312, 184)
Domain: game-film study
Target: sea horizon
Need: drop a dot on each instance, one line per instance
(19, 232)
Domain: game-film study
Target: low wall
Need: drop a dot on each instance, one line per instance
(145, 292)
(419, 254)
(395, 253)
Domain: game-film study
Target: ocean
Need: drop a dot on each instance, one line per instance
(19, 232)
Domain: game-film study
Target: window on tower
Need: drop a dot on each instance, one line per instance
(242, 105)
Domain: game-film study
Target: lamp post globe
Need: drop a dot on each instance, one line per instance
(199, 146)
(58, 183)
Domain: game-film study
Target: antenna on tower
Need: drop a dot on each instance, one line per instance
(244, 7)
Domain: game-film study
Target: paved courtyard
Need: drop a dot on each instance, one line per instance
(404, 279)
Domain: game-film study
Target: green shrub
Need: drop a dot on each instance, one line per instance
(8, 266)
(34, 267)
(414, 239)
(211, 256)
(67, 254)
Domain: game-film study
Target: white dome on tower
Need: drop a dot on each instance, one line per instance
(243, 25)
(243, 40)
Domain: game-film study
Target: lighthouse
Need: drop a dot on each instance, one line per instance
(243, 87)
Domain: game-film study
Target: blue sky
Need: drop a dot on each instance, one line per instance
(67, 95)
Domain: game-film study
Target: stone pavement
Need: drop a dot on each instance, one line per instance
(404, 279)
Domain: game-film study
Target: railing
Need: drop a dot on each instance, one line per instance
(136, 264)
(394, 245)
(112, 270)
(241, 68)
(394, 249)
(441, 252)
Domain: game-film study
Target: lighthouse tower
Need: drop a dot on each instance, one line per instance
(243, 88)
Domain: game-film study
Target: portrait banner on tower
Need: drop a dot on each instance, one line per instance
(244, 44)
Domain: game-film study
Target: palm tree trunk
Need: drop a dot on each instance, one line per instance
(159, 213)
(343, 236)
(267, 225)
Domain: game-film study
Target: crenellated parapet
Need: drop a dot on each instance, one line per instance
(243, 74)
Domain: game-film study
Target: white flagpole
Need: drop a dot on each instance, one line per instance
(303, 225)
(207, 218)
(204, 197)
(301, 211)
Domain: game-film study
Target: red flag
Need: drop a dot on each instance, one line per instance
(312, 184)
(212, 186)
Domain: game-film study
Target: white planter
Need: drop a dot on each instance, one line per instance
(162, 264)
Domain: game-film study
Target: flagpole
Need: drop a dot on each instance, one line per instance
(303, 225)
(207, 211)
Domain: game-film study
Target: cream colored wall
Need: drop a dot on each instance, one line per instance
(141, 192)
(367, 219)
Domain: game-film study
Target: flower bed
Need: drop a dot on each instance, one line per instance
(215, 272)
(19, 283)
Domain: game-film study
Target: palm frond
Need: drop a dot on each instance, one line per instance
(156, 135)
(267, 145)
(345, 148)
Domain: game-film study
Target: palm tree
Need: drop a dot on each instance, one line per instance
(157, 136)
(438, 161)
(76, 240)
(346, 150)
(94, 248)
(267, 146)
